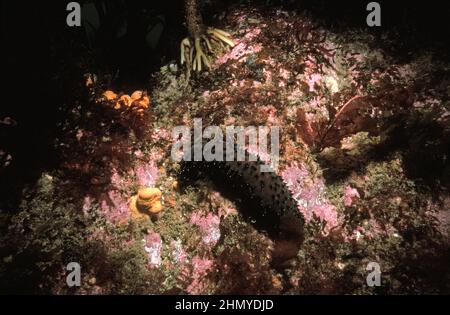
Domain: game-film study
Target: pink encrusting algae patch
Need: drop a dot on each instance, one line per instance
(114, 206)
(200, 268)
(242, 49)
(178, 254)
(208, 225)
(309, 194)
(349, 195)
(312, 80)
(153, 247)
(147, 173)
(371, 229)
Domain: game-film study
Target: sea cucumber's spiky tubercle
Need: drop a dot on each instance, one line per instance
(262, 197)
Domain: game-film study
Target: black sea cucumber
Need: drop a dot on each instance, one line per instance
(262, 197)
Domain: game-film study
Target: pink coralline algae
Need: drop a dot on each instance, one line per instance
(147, 173)
(235, 54)
(178, 254)
(242, 49)
(208, 225)
(310, 63)
(312, 80)
(253, 33)
(308, 192)
(355, 58)
(153, 247)
(271, 112)
(349, 194)
(117, 180)
(200, 268)
(284, 74)
(114, 206)
(139, 154)
(371, 230)
(161, 135)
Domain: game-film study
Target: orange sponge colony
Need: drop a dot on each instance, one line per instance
(146, 203)
(149, 199)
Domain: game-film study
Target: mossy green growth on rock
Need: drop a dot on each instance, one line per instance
(43, 237)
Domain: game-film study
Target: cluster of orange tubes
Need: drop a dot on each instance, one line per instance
(137, 103)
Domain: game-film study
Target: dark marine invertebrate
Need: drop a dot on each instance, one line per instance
(261, 197)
